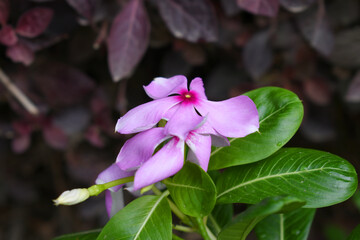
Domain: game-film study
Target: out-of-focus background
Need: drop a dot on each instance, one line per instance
(81, 64)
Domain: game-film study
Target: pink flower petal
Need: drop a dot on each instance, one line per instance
(163, 87)
(114, 202)
(184, 120)
(197, 85)
(235, 117)
(144, 116)
(165, 163)
(139, 148)
(200, 149)
(216, 138)
(112, 173)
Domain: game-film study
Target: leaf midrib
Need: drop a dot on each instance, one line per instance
(186, 186)
(149, 215)
(274, 176)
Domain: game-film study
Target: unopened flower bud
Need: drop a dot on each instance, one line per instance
(72, 197)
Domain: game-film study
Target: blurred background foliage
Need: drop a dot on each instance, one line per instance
(82, 63)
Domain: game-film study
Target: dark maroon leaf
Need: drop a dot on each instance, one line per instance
(346, 51)
(8, 36)
(318, 90)
(192, 53)
(353, 92)
(62, 85)
(4, 11)
(296, 5)
(83, 7)
(128, 39)
(72, 120)
(22, 127)
(20, 53)
(190, 20)
(260, 7)
(257, 54)
(20, 143)
(93, 135)
(55, 137)
(230, 7)
(34, 22)
(315, 28)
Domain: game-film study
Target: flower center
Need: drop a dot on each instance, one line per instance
(188, 97)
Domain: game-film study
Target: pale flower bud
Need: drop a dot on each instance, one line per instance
(72, 197)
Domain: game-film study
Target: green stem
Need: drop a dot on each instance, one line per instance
(203, 229)
(156, 190)
(95, 190)
(183, 228)
(175, 237)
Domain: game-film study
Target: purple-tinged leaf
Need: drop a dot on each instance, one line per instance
(257, 54)
(72, 120)
(346, 51)
(55, 137)
(315, 28)
(296, 6)
(93, 135)
(4, 11)
(8, 36)
(62, 85)
(34, 22)
(21, 143)
(353, 92)
(318, 90)
(190, 20)
(260, 7)
(128, 39)
(194, 54)
(230, 7)
(20, 53)
(83, 7)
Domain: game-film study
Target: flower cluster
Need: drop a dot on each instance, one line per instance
(191, 119)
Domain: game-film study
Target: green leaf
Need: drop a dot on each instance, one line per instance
(219, 217)
(319, 178)
(355, 234)
(88, 235)
(294, 225)
(192, 190)
(242, 225)
(280, 114)
(148, 217)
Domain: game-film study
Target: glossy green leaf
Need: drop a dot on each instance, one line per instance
(219, 217)
(293, 225)
(355, 234)
(280, 114)
(192, 190)
(148, 217)
(319, 178)
(88, 235)
(242, 225)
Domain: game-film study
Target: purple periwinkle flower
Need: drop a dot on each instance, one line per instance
(192, 120)
(235, 117)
